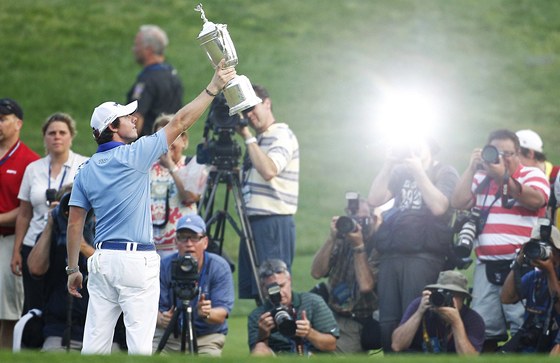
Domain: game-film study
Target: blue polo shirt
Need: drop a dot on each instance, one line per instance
(215, 282)
(115, 182)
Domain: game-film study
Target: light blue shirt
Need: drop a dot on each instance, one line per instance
(116, 184)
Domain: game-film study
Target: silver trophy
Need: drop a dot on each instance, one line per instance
(217, 43)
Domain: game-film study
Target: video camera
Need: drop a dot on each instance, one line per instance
(283, 316)
(219, 148)
(441, 297)
(539, 249)
(348, 224)
(184, 277)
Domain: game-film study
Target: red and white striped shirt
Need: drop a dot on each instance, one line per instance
(507, 229)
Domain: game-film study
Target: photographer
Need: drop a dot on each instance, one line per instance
(287, 322)
(209, 290)
(539, 288)
(439, 321)
(414, 238)
(270, 189)
(510, 197)
(47, 262)
(349, 261)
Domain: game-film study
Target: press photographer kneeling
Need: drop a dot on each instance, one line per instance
(200, 279)
(540, 289)
(439, 321)
(288, 321)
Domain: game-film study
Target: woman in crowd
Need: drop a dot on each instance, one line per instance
(41, 182)
(173, 193)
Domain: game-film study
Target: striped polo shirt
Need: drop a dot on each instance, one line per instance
(507, 229)
(280, 194)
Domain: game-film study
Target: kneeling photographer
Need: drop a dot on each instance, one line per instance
(289, 322)
(539, 287)
(349, 261)
(200, 279)
(439, 321)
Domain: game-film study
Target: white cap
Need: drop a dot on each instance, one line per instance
(108, 112)
(529, 139)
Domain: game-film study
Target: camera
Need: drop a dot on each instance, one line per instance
(441, 297)
(220, 149)
(282, 315)
(50, 195)
(184, 277)
(539, 249)
(401, 152)
(349, 224)
(467, 226)
(490, 154)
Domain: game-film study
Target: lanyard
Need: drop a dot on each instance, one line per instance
(63, 176)
(4, 159)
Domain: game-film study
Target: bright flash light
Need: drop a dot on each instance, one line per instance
(406, 115)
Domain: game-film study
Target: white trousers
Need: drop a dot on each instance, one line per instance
(127, 282)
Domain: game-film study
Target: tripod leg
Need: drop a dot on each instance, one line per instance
(247, 232)
(168, 331)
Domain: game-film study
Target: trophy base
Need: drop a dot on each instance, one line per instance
(240, 95)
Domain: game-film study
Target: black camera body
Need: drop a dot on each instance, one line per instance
(283, 316)
(185, 276)
(539, 249)
(348, 224)
(51, 195)
(220, 149)
(441, 297)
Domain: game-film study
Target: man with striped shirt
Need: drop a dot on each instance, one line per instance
(270, 190)
(511, 198)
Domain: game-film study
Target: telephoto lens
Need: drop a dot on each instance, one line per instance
(345, 225)
(537, 250)
(465, 239)
(490, 154)
(441, 297)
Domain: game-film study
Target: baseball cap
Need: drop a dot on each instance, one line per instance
(554, 235)
(108, 112)
(194, 222)
(529, 139)
(9, 106)
(452, 281)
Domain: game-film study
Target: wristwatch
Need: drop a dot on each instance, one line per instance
(70, 271)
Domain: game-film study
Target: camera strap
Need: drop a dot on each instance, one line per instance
(506, 201)
(61, 180)
(5, 158)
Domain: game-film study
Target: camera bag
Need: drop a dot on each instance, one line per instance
(497, 271)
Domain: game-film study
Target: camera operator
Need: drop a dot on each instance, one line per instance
(413, 240)
(270, 189)
(288, 321)
(539, 288)
(349, 261)
(439, 321)
(213, 294)
(511, 198)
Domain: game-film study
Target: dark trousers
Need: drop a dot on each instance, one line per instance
(401, 279)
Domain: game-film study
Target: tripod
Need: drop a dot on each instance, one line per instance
(186, 328)
(217, 221)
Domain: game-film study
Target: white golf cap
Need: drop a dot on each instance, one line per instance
(529, 139)
(108, 112)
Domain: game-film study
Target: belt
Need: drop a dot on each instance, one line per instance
(125, 246)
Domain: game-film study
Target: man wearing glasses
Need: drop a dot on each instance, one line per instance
(214, 292)
(289, 322)
(511, 198)
(270, 189)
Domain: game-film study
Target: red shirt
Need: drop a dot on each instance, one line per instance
(12, 167)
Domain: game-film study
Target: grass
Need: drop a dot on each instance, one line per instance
(325, 62)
